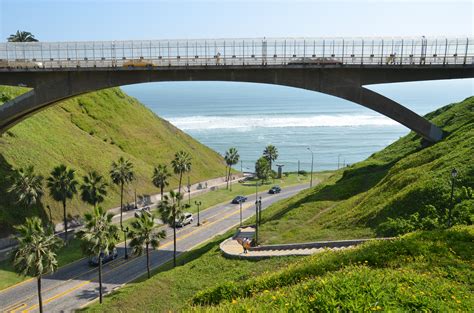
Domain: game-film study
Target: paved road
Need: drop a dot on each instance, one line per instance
(76, 284)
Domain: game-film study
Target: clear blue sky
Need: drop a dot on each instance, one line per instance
(69, 20)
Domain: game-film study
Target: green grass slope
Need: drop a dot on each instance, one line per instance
(88, 133)
(422, 271)
(397, 182)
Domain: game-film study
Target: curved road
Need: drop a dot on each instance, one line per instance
(76, 284)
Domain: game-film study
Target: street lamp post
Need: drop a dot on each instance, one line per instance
(125, 231)
(189, 192)
(454, 173)
(257, 206)
(198, 204)
(240, 203)
(260, 211)
(312, 161)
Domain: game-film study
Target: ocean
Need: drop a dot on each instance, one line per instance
(251, 116)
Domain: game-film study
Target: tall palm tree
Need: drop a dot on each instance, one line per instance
(27, 186)
(160, 177)
(181, 164)
(21, 36)
(94, 188)
(144, 233)
(98, 237)
(170, 209)
(121, 174)
(36, 252)
(271, 154)
(231, 158)
(62, 186)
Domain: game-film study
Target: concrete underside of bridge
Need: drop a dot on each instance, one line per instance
(52, 86)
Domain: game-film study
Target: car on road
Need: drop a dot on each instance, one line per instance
(94, 261)
(186, 218)
(239, 199)
(274, 189)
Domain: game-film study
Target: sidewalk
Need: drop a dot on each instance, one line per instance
(9, 243)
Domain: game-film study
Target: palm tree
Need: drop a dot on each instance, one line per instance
(62, 186)
(94, 188)
(169, 210)
(121, 174)
(181, 164)
(160, 177)
(144, 233)
(231, 158)
(27, 186)
(36, 252)
(21, 36)
(98, 237)
(271, 154)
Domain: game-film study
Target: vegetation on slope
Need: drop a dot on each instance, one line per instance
(422, 271)
(405, 182)
(87, 133)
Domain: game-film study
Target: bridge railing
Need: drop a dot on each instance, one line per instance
(239, 52)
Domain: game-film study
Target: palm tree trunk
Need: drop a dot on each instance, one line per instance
(40, 300)
(65, 222)
(179, 187)
(174, 236)
(100, 278)
(162, 189)
(121, 204)
(147, 260)
(228, 179)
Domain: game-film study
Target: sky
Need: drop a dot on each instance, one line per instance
(73, 20)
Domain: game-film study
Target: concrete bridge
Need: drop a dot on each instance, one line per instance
(339, 67)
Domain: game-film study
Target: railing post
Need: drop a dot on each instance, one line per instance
(381, 55)
(465, 53)
(205, 52)
(342, 51)
(243, 52)
(304, 50)
(401, 55)
(362, 56)
(445, 51)
(324, 47)
(284, 53)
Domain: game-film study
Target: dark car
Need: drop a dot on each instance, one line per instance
(239, 199)
(275, 189)
(94, 261)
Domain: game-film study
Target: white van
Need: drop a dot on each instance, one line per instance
(186, 218)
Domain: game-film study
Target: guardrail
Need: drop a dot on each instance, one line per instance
(239, 52)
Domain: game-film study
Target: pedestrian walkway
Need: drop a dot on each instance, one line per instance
(231, 248)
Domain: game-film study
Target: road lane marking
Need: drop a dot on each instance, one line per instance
(57, 296)
(14, 308)
(233, 212)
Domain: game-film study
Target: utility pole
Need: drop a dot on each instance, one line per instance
(312, 161)
(198, 204)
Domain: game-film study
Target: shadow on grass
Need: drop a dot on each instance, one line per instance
(352, 182)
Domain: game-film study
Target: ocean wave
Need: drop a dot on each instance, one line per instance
(251, 122)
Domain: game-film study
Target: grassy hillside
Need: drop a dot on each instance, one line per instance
(88, 133)
(403, 182)
(424, 271)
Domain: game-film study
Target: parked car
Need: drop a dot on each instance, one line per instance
(239, 199)
(94, 261)
(274, 189)
(186, 218)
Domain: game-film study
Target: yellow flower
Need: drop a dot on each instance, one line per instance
(266, 291)
(234, 301)
(274, 298)
(458, 301)
(453, 297)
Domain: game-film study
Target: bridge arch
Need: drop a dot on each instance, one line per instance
(51, 87)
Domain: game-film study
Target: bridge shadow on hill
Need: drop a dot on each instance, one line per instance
(353, 181)
(11, 213)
